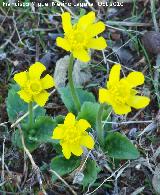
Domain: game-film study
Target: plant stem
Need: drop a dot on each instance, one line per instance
(99, 125)
(71, 84)
(30, 110)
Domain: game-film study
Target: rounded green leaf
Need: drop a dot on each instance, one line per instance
(120, 147)
(68, 101)
(62, 166)
(90, 173)
(89, 111)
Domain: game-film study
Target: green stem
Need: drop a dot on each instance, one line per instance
(30, 110)
(99, 125)
(71, 84)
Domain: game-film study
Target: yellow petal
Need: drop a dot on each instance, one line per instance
(63, 43)
(76, 150)
(104, 96)
(81, 55)
(87, 141)
(66, 22)
(133, 92)
(58, 133)
(83, 124)
(47, 82)
(121, 109)
(36, 70)
(114, 75)
(138, 101)
(25, 96)
(135, 78)
(41, 98)
(66, 150)
(86, 20)
(97, 43)
(69, 119)
(95, 29)
(21, 78)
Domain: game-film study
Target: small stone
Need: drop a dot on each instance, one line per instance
(151, 42)
(138, 167)
(79, 176)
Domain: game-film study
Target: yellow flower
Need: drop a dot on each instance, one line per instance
(73, 136)
(78, 38)
(33, 88)
(120, 93)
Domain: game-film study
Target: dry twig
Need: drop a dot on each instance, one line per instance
(59, 177)
(34, 166)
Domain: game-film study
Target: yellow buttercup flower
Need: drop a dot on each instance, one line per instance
(72, 135)
(80, 37)
(120, 93)
(33, 88)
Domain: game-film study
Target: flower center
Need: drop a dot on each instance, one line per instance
(35, 87)
(72, 135)
(77, 39)
(121, 93)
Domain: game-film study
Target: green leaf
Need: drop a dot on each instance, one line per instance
(59, 119)
(89, 111)
(44, 127)
(16, 107)
(62, 166)
(90, 173)
(41, 133)
(120, 147)
(68, 101)
(16, 140)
